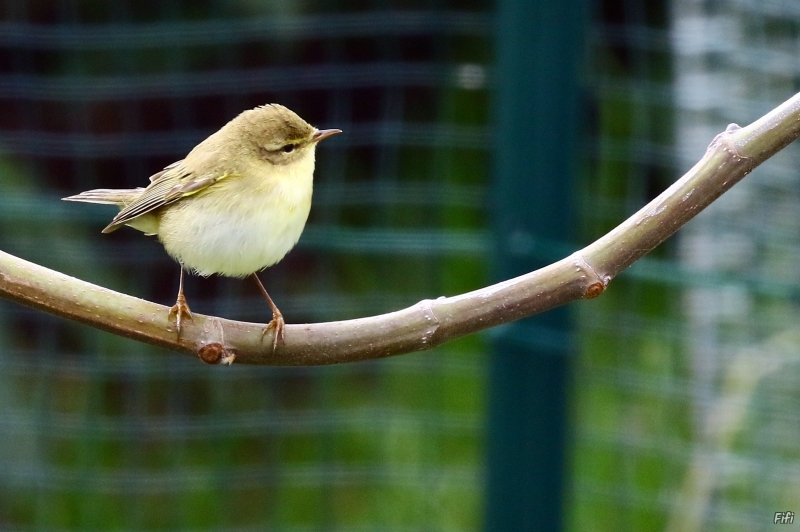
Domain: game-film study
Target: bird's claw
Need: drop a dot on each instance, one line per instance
(179, 312)
(278, 324)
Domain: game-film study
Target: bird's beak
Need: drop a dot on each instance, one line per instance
(324, 134)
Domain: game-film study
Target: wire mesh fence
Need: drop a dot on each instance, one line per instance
(687, 374)
(101, 433)
(683, 409)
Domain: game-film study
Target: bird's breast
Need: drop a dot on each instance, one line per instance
(240, 228)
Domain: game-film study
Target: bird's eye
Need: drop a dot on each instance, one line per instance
(289, 148)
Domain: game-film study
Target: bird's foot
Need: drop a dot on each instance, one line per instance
(180, 312)
(278, 324)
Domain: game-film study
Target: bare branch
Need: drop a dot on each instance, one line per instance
(584, 274)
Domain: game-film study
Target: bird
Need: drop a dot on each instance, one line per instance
(235, 205)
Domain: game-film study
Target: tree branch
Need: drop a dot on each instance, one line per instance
(585, 274)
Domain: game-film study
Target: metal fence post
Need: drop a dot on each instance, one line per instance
(539, 53)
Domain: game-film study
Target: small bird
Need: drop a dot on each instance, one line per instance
(235, 205)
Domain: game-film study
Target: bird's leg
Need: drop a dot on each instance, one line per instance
(181, 308)
(277, 322)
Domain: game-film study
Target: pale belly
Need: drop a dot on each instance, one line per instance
(234, 242)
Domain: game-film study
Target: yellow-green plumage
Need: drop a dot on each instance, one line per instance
(239, 200)
(236, 204)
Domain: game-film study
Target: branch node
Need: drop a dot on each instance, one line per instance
(427, 341)
(598, 284)
(594, 290)
(216, 353)
(724, 140)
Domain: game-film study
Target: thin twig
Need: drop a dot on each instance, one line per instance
(584, 274)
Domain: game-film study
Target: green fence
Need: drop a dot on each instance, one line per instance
(100, 433)
(681, 391)
(685, 392)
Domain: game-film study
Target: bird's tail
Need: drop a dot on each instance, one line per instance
(108, 196)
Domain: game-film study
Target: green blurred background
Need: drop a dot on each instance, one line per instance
(670, 403)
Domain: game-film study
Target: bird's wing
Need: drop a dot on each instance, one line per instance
(166, 169)
(168, 186)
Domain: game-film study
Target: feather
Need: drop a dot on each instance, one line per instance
(168, 186)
